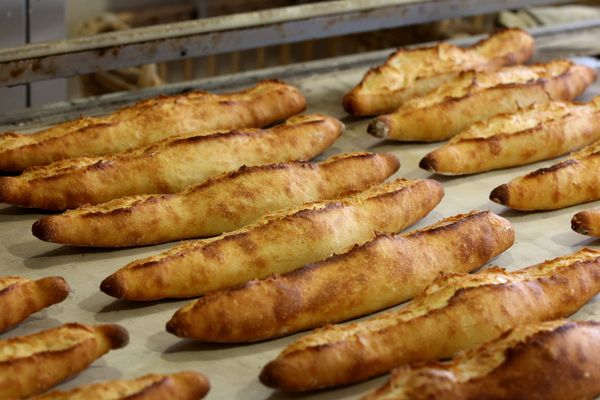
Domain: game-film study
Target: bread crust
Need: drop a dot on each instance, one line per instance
(342, 287)
(569, 182)
(20, 297)
(34, 363)
(477, 96)
(539, 132)
(149, 121)
(410, 73)
(554, 360)
(279, 242)
(185, 385)
(587, 222)
(220, 204)
(168, 166)
(457, 312)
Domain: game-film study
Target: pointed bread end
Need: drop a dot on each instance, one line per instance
(116, 335)
(113, 286)
(428, 163)
(379, 127)
(500, 195)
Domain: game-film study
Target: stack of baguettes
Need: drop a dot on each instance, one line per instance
(292, 245)
(511, 115)
(34, 363)
(502, 318)
(496, 115)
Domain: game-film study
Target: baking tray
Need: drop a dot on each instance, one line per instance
(233, 369)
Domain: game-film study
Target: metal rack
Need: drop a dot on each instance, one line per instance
(230, 33)
(551, 42)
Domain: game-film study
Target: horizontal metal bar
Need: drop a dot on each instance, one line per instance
(204, 25)
(243, 31)
(548, 43)
(234, 21)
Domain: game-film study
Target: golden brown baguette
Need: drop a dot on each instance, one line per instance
(456, 312)
(477, 96)
(20, 297)
(410, 73)
(277, 243)
(370, 277)
(587, 222)
(34, 363)
(569, 182)
(554, 360)
(149, 121)
(186, 385)
(168, 166)
(220, 204)
(539, 132)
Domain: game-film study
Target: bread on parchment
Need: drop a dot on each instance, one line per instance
(587, 222)
(381, 273)
(569, 182)
(456, 312)
(33, 364)
(221, 204)
(477, 96)
(414, 72)
(539, 132)
(20, 297)
(168, 166)
(186, 385)
(277, 243)
(553, 360)
(149, 121)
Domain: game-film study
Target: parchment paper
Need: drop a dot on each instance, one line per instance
(233, 370)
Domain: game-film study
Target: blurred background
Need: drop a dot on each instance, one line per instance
(34, 21)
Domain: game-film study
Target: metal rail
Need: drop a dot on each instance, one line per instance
(577, 39)
(230, 33)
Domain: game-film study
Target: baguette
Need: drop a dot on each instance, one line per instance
(32, 364)
(569, 182)
(185, 385)
(539, 132)
(20, 297)
(554, 360)
(456, 312)
(477, 96)
(410, 73)
(168, 166)
(343, 287)
(587, 222)
(220, 204)
(150, 121)
(279, 242)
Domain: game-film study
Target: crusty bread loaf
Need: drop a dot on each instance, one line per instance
(539, 132)
(456, 312)
(587, 222)
(477, 96)
(34, 363)
(279, 242)
(220, 204)
(149, 121)
(414, 72)
(20, 297)
(569, 182)
(370, 277)
(554, 360)
(168, 166)
(187, 385)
